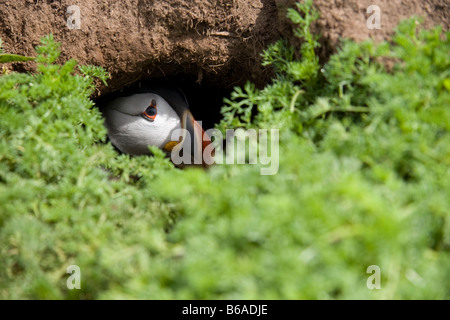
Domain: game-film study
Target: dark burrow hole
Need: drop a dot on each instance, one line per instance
(205, 101)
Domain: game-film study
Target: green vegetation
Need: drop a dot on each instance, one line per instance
(5, 57)
(363, 180)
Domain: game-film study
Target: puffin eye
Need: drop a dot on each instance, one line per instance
(151, 111)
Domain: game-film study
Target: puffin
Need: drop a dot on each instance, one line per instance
(151, 115)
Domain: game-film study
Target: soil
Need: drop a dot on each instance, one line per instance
(212, 42)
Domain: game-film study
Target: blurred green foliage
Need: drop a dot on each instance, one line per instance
(363, 180)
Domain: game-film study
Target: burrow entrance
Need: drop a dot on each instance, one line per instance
(205, 100)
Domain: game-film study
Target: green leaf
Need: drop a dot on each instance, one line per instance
(7, 57)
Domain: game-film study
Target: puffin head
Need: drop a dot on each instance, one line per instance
(145, 119)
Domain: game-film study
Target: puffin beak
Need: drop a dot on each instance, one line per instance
(202, 149)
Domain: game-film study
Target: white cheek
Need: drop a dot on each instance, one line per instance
(136, 134)
(158, 133)
(133, 134)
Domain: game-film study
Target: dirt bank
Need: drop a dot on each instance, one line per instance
(217, 42)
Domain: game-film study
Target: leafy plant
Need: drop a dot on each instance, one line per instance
(59, 204)
(363, 179)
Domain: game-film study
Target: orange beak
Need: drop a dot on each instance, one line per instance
(202, 149)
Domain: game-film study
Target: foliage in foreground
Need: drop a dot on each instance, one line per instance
(363, 180)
